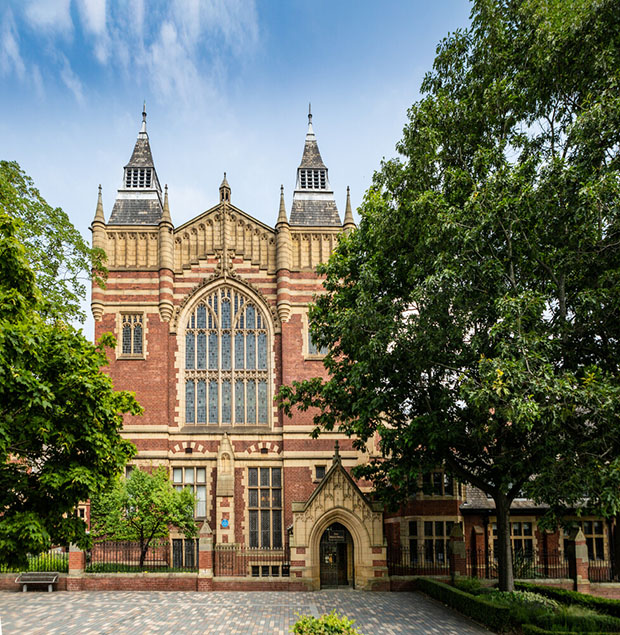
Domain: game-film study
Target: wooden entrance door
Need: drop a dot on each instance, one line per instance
(335, 546)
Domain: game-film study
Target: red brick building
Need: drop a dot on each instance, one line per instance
(211, 317)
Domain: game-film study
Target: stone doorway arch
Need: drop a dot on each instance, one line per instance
(338, 500)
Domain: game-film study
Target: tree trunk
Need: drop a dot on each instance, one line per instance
(504, 547)
(144, 546)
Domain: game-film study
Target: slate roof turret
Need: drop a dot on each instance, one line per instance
(139, 199)
(313, 198)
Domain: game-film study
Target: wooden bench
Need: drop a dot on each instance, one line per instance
(37, 577)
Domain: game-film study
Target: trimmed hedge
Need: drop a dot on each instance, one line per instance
(476, 607)
(530, 629)
(603, 605)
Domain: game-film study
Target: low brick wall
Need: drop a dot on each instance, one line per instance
(133, 582)
(258, 584)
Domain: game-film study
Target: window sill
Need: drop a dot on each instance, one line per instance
(130, 357)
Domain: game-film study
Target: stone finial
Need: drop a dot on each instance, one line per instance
(165, 216)
(224, 190)
(337, 457)
(349, 223)
(99, 217)
(282, 219)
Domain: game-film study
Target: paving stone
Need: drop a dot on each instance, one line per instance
(232, 613)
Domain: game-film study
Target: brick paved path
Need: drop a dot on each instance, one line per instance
(256, 613)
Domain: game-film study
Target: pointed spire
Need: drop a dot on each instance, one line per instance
(224, 190)
(282, 213)
(349, 223)
(99, 216)
(165, 216)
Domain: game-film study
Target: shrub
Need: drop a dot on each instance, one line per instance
(331, 624)
(480, 609)
(523, 598)
(602, 605)
(578, 619)
(469, 585)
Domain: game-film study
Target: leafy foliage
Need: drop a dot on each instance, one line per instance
(60, 417)
(142, 508)
(473, 318)
(331, 624)
(58, 255)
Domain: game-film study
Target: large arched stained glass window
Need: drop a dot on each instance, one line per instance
(226, 378)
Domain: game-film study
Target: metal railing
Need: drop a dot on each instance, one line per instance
(526, 565)
(241, 561)
(53, 560)
(401, 560)
(602, 571)
(116, 556)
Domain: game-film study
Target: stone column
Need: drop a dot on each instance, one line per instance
(205, 559)
(458, 555)
(578, 560)
(77, 564)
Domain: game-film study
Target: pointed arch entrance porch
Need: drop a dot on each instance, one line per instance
(338, 505)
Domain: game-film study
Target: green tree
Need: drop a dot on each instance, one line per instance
(473, 318)
(60, 418)
(142, 507)
(60, 258)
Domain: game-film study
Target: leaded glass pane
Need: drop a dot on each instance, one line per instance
(201, 501)
(213, 353)
(265, 526)
(277, 530)
(253, 477)
(201, 402)
(262, 402)
(239, 351)
(201, 475)
(189, 402)
(250, 317)
(276, 477)
(250, 351)
(264, 498)
(262, 351)
(264, 477)
(226, 401)
(276, 498)
(201, 317)
(189, 475)
(253, 528)
(177, 475)
(239, 402)
(137, 339)
(127, 339)
(201, 349)
(253, 501)
(226, 351)
(190, 342)
(215, 305)
(213, 402)
(251, 399)
(225, 314)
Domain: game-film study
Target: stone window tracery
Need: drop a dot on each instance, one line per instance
(132, 335)
(226, 369)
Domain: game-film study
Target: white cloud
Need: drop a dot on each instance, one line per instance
(50, 15)
(71, 80)
(10, 57)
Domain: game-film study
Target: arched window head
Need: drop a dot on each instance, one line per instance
(226, 374)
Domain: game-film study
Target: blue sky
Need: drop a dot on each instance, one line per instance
(227, 85)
